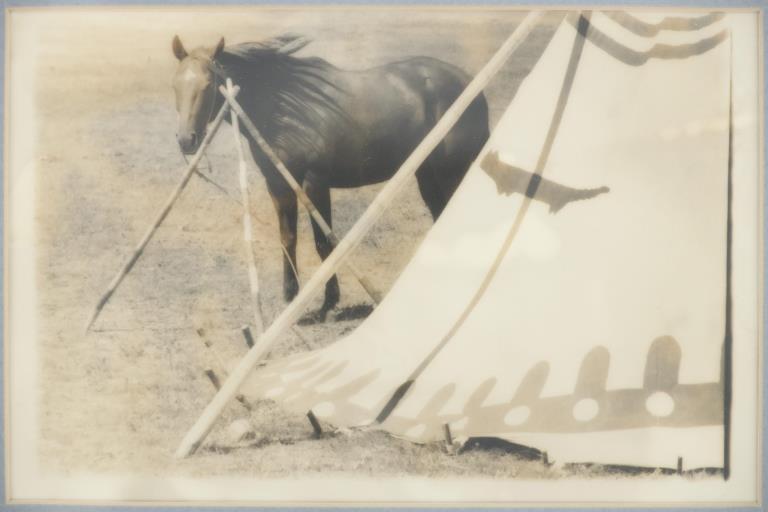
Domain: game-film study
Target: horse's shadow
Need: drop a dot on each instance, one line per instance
(345, 314)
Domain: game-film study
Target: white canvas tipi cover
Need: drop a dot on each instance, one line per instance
(583, 321)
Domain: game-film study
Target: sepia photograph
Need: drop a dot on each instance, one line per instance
(383, 255)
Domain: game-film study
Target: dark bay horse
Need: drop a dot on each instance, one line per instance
(332, 128)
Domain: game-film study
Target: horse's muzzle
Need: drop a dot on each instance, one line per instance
(188, 143)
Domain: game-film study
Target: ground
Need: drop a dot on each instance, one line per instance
(121, 397)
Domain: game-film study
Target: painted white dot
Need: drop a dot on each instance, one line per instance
(324, 409)
(585, 409)
(416, 430)
(660, 404)
(517, 415)
(273, 392)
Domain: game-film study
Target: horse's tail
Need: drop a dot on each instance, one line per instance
(439, 85)
(470, 133)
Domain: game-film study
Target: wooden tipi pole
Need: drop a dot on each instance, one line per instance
(253, 274)
(162, 214)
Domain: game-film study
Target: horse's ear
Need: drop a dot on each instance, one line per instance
(219, 48)
(178, 48)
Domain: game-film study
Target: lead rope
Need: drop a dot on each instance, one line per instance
(219, 75)
(231, 197)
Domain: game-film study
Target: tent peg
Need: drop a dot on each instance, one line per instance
(316, 428)
(450, 447)
(246, 330)
(213, 378)
(447, 435)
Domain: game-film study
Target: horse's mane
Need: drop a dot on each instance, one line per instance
(290, 91)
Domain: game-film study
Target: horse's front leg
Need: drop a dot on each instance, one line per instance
(320, 195)
(285, 204)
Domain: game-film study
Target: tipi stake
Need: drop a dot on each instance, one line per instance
(211, 372)
(213, 378)
(447, 435)
(248, 336)
(316, 428)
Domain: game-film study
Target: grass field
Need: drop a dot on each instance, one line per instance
(120, 398)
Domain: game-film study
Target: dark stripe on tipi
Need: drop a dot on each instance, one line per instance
(658, 51)
(645, 29)
(578, 46)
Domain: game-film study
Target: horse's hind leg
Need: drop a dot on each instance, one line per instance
(320, 195)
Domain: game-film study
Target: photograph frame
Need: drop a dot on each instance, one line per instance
(748, 5)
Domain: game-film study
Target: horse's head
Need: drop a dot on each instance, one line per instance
(195, 86)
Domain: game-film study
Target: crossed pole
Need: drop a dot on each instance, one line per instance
(253, 277)
(230, 92)
(297, 189)
(162, 214)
